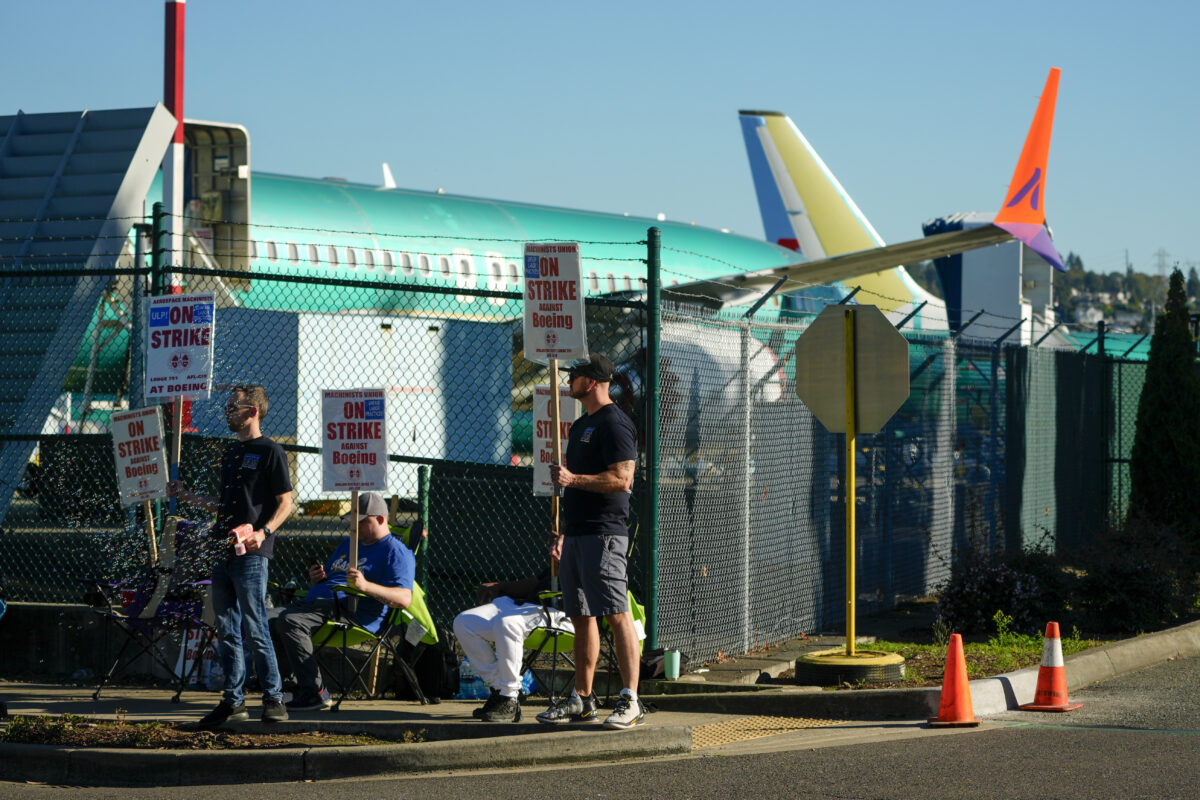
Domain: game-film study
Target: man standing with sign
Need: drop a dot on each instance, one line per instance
(255, 499)
(598, 478)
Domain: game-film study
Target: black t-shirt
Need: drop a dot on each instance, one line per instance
(253, 474)
(597, 441)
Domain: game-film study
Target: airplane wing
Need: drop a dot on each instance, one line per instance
(804, 208)
(844, 267)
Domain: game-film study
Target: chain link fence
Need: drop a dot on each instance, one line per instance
(996, 444)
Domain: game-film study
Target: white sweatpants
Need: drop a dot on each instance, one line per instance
(502, 624)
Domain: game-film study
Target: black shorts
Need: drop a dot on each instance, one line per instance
(593, 575)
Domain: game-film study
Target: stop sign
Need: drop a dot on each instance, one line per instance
(880, 368)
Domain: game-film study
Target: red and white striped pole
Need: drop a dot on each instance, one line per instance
(173, 162)
(173, 187)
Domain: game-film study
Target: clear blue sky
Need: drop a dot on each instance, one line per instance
(920, 109)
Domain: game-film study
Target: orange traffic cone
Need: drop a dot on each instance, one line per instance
(1051, 693)
(955, 709)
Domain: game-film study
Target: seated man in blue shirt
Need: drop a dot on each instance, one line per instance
(384, 574)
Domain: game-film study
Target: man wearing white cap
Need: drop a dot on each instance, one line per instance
(384, 573)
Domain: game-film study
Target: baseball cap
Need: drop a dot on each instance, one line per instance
(596, 366)
(370, 504)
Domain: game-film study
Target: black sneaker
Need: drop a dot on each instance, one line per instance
(573, 709)
(224, 712)
(310, 701)
(507, 710)
(488, 705)
(274, 711)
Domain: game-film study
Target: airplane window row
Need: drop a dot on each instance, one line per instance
(501, 274)
(610, 282)
(421, 264)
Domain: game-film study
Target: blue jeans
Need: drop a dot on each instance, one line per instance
(239, 591)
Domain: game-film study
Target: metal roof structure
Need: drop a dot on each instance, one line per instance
(71, 186)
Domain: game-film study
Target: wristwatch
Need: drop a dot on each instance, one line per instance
(266, 529)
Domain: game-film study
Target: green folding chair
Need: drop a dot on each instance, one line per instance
(412, 626)
(557, 643)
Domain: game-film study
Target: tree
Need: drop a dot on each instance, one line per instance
(1165, 464)
(1193, 284)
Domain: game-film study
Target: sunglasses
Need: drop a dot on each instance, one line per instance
(233, 409)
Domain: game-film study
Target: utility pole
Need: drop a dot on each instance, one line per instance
(1160, 258)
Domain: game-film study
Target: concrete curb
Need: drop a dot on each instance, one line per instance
(874, 704)
(118, 767)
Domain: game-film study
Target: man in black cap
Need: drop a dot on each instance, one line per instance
(597, 480)
(384, 573)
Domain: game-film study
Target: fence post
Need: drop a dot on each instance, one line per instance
(137, 358)
(1105, 499)
(994, 449)
(747, 435)
(650, 517)
(156, 250)
(423, 501)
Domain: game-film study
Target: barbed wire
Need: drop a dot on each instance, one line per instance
(201, 222)
(818, 294)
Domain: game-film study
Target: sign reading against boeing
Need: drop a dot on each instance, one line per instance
(555, 325)
(543, 433)
(354, 451)
(141, 460)
(179, 347)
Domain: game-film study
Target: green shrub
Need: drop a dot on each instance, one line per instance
(1129, 596)
(979, 588)
(1140, 577)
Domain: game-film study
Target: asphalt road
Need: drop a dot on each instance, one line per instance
(1136, 736)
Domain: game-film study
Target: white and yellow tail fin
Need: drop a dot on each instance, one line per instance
(805, 208)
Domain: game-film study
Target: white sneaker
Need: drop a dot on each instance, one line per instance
(628, 713)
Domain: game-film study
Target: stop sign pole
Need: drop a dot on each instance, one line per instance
(852, 373)
(851, 481)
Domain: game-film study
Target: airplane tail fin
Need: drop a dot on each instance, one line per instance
(1024, 214)
(803, 206)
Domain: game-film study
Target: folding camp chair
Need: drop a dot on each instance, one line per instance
(562, 645)
(414, 623)
(165, 601)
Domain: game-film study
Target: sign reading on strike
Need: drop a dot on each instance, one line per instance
(179, 347)
(543, 431)
(354, 440)
(555, 326)
(141, 461)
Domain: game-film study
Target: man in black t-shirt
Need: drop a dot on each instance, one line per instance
(597, 480)
(255, 499)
